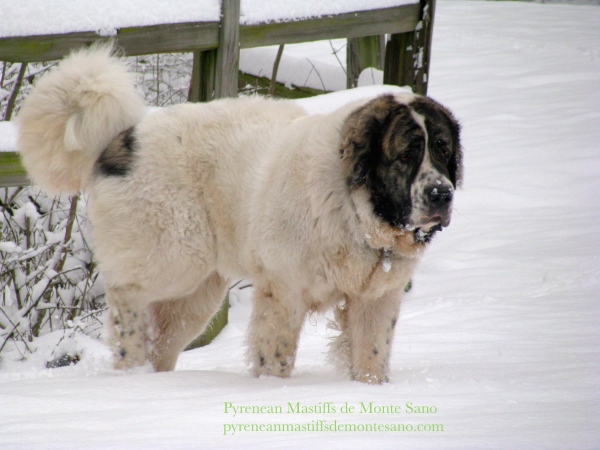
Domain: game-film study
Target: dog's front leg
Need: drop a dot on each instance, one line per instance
(129, 328)
(274, 331)
(370, 326)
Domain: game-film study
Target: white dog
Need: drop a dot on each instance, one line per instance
(319, 211)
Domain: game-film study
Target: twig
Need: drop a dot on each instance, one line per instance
(15, 92)
(9, 335)
(275, 70)
(158, 80)
(335, 52)
(3, 74)
(317, 72)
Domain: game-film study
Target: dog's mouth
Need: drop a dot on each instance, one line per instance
(428, 226)
(424, 228)
(428, 223)
(424, 235)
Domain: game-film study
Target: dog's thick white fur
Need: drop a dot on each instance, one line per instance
(197, 195)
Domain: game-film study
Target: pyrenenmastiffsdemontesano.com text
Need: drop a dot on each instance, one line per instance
(391, 412)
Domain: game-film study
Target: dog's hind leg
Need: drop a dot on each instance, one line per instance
(274, 332)
(128, 326)
(177, 322)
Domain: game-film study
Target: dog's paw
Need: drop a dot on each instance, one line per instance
(371, 378)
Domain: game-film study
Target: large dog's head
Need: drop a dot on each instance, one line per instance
(403, 153)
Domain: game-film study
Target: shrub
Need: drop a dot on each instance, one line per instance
(48, 279)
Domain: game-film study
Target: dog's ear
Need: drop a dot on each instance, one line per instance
(361, 138)
(455, 165)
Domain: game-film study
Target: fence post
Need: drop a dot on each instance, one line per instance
(361, 53)
(202, 84)
(408, 55)
(228, 52)
(424, 39)
(215, 72)
(399, 64)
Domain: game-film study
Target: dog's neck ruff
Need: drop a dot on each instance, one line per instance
(391, 242)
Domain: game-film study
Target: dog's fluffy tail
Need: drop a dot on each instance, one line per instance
(72, 114)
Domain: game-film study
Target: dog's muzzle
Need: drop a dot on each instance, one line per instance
(439, 202)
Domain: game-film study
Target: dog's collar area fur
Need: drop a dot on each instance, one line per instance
(425, 237)
(419, 236)
(381, 236)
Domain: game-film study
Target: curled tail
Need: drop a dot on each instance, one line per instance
(72, 114)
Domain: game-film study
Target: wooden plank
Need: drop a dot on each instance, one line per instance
(12, 172)
(228, 51)
(135, 41)
(171, 38)
(363, 23)
(43, 48)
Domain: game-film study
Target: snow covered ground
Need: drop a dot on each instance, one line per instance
(499, 335)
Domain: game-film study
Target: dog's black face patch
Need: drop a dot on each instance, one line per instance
(407, 155)
(444, 138)
(117, 158)
(399, 144)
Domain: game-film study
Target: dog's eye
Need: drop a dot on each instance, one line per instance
(442, 149)
(415, 148)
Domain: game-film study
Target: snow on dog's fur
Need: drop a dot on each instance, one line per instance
(319, 211)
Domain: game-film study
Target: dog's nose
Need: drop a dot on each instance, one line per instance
(440, 196)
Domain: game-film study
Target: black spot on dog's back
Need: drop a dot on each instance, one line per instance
(117, 158)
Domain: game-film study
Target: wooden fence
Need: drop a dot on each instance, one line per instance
(216, 45)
